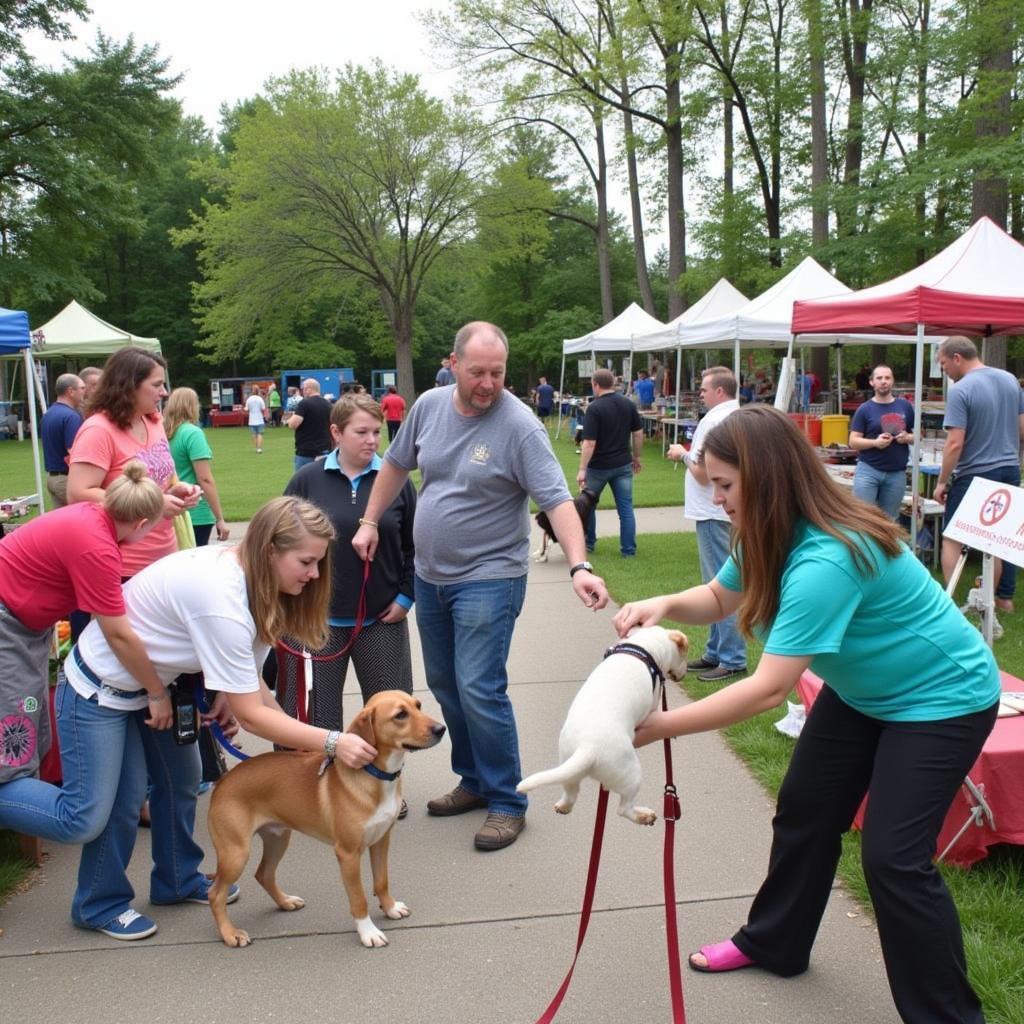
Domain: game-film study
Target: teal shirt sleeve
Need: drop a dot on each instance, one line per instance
(817, 602)
(196, 446)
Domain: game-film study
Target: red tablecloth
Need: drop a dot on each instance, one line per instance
(234, 418)
(998, 773)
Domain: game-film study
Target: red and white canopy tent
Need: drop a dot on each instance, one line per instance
(974, 286)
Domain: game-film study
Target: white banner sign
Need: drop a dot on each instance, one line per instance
(991, 519)
(585, 368)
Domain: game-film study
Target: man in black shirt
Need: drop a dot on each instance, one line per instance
(613, 438)
(311, 422)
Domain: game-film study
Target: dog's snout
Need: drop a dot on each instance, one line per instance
(438, 730)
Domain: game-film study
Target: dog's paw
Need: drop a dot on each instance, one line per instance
(370, 935)
(644, 816)
(397, 911)
(291, 902)
(540, 556)
(235, 938)
(563, 807)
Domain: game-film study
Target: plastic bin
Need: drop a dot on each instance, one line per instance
(835, 430)
(809, 425)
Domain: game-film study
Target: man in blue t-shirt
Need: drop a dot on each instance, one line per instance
(882, 432)
(57, 429)
(643, 388)
(545, 398)
(984, 430)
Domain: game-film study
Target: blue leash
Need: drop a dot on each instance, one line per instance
(215, 729)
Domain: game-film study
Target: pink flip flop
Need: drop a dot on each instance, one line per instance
(720, 956)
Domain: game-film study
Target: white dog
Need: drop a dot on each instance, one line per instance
(597, 737)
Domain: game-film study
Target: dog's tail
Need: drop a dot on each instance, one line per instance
(575, 767)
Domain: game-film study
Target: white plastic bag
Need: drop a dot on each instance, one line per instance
(794, 720)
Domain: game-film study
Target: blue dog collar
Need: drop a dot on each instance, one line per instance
(636, 651)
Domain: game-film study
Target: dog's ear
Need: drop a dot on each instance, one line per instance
(362, 726)
(679, 639)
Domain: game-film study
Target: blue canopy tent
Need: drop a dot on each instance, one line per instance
(15, 343)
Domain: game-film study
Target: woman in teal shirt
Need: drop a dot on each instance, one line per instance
(911, 693)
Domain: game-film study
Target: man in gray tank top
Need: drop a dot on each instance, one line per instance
(482, 455)
(984, 430)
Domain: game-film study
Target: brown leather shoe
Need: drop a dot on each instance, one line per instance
(458, 801)
(498, 831)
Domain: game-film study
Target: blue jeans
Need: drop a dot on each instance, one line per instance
(620, 480)
(305, 460)
(106, 755)
(880, 488)
(725, 644)
(465, 632)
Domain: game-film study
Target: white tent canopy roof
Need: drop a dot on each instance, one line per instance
(765, 320)
(720, 301)
(617, 335)
(74, 331)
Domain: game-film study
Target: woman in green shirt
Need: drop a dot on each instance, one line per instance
(911, 692)
(191, 453)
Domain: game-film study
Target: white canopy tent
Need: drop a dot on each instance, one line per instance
(720, 301)
(75, 332)
(615, 336)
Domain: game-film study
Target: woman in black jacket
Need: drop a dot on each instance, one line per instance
(374, 612)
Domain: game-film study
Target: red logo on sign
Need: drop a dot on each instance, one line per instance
(995, 506)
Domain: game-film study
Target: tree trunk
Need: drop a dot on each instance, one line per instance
(819, 128)
(858, 21)
(604, 259)
(989, 189)
(643, 279)
(676, 208)
(401, 326)
(920, 200)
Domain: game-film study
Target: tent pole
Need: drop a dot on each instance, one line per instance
(33, 416)
(915, 456)
(561, 398)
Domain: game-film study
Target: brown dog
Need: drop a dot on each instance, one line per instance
(349, 808)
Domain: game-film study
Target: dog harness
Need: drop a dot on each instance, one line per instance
(370, 769)
(636, 651)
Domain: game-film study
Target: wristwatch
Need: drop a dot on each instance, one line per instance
(579, 567)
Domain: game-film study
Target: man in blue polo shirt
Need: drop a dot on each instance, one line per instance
(57, 429)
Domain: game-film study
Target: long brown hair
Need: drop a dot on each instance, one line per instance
(281, 525)
(783, 481)
(122, 375)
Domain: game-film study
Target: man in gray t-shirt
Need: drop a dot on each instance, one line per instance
(482, 456)
(984, 430)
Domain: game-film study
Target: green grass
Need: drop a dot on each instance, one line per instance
(989, 895)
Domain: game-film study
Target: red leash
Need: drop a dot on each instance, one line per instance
(671, 814)
(283, 650)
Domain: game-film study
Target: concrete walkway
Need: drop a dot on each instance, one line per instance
(491, 935)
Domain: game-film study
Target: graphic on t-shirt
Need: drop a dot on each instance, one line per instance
(17, 741)
(893, 423)
(158, 461)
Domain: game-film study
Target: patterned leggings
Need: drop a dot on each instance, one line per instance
(382, 660)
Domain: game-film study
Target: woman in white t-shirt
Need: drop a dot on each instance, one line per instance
(215, 610)
(257, 410)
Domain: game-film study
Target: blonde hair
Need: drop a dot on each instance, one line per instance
(279, 526)
(783, 481)
(182, 406)
(348, 405)
(134, 495)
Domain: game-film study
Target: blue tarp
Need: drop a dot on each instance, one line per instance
(14, 333)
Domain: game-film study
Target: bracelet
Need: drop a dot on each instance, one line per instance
(162, 696)
(368, 522)
(331, 743)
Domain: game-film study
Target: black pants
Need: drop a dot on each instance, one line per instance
(914, 770)
(393, 426)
